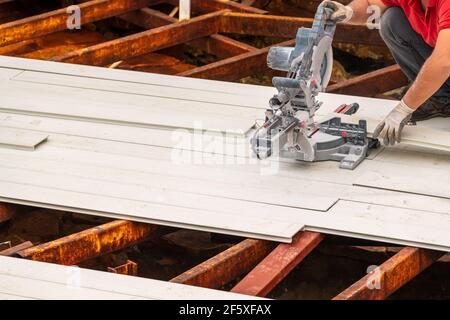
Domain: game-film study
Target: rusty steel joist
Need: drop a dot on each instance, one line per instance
(235, 68)
(56, 20)
(384, 280)
(10, 252)
(372, 83)
(286, 27)
(90, 243)
(175, 33)
(181, 32)
(7, 211)
(129, 268)
(278, 264)
(216, 44)
(227, 265)
(145, 42)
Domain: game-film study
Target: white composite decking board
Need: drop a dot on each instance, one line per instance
(152, 110)
(386, 224)
(433, 160)
(142, 194)
(7, 74)
(62, 80)
(135, 95)
(168, 188)
(123, 170)
(180, 139)
(123, 109)
(286, 172)
(209, 179)
(300, 216)
(154, 137)
(248, 95)
(388, 178)
(43, 290)
(175, 82)
(8, 296)
(296, 169)
(37, 280)
(338, 220)
(259, 226)
(354, 219)
(20, 139)
(411, 135)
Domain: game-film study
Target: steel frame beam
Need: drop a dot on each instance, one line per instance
(216, 44)
(129, 268)
(286, 27)
(11, 252)
(373, 83)
(145, 42)
(235, 68)
(91, 243)
(278, 264)
(7, 211)
(56, 20)
(227, 265)
(194, 32)
(383, 281)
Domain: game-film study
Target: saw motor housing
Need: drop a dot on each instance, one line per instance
(290, 130)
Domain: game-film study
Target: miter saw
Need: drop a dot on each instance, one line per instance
(290, 129)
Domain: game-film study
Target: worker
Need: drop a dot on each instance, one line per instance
(417, 32)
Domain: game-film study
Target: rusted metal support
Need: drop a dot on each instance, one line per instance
(145, 42)
(278, 264)
(7, 211)
(226, 266)
(372, 83)
(216, 44)
(148, 18)
(57, 20)
(130, 268)
(384, 280)
(222, 46)
(10, 252)
(203, 6)
(286, 27)
(236, 67)
(90, 243)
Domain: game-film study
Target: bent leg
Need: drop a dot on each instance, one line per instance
(408, 48)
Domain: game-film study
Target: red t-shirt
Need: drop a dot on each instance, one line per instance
(427, 23)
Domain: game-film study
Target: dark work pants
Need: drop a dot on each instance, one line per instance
(408, 48)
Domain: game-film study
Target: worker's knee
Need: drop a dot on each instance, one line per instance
(394, 25)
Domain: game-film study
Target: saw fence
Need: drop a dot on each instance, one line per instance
(260, 265)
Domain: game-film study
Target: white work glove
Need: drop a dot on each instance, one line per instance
(390, 129)
(341, 12)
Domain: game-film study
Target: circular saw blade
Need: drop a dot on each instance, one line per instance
(322, 62)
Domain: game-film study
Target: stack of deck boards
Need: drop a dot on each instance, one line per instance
(174, 151)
